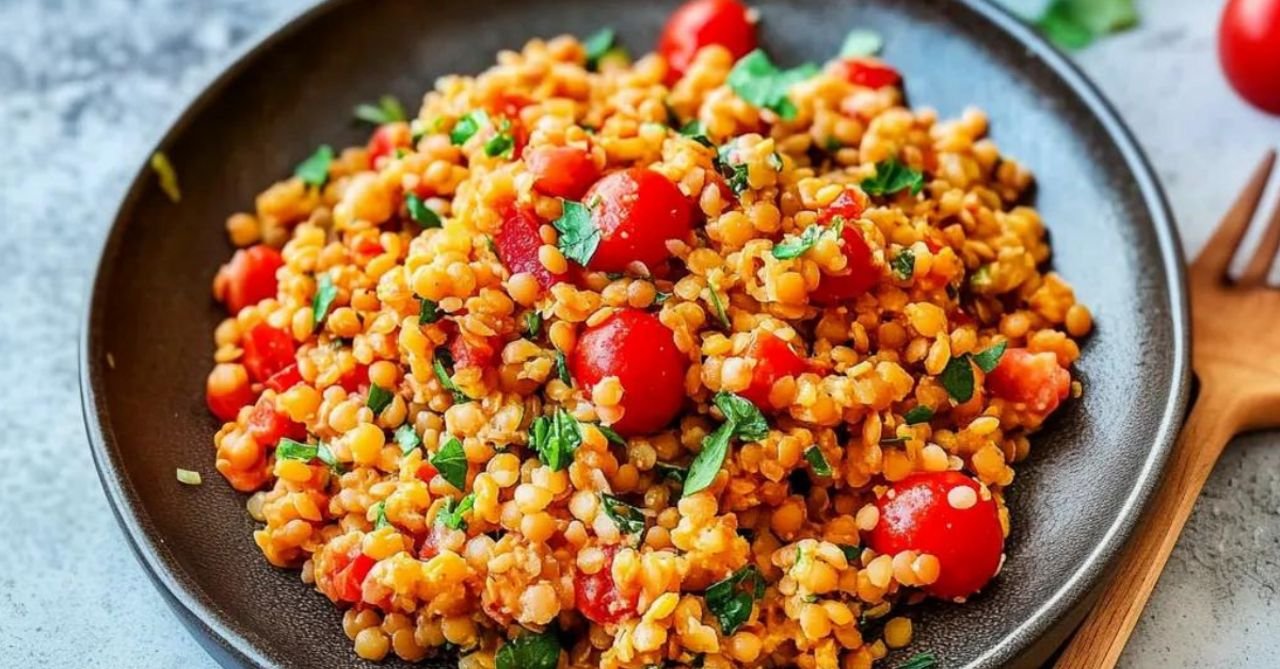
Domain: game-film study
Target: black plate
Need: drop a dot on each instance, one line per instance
(1074, 502)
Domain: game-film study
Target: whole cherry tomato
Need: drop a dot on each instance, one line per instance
(248, 278)
(561, 171)
(702, 22)
(1249, 48)
(635, 347)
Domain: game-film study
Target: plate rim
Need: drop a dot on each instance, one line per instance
(227, 643)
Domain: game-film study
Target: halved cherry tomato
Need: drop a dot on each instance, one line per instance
(348, 581)
(518, 242)
(227, 390)
(267, 426)
(702, 22)
(917, 515)
(561, 171)
(636, 347)
(637, 211)
(1249, 48)
(267, 351)
(248, 278)
(356, 380)
(862, 272)
(596, 595)
(285, 378)
(386, 139)
(471, 351)
(1033, 379)
(774, 359)
(868, 72)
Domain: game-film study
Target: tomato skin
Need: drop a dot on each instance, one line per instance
(869, 72)
(248, 278)
(1033, 379)
(562, 171)
(285, 378)
(596, 596)
(426, 471)
(386, 139)
(356, 380)
(774, 359)
(1249, 49)
(267, 350)
(348, 581)
(637, 210)
(861, 274)
(636, 347)
(227, 390)
(699, 23)
(469, 351)
(267, 426)
(916, 515)
(518, 242)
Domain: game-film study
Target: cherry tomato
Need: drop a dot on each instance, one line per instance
(1249, 48)
(562, 171)
(348, 580)
(597, 596)
(702, 22)
(1033, 379)
(862, 271)
(267, 351)
(518, 242)
(637, 348)
(774, 359)
(868, 72)
(227, 389)
(267, 426)
(249, 278)
(471, 351)
(285, 378)
(386, 139)
(917, 515)
(637, 211)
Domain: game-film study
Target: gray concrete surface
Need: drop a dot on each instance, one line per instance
(86, 88)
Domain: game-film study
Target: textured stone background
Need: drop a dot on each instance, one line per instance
(86, 88)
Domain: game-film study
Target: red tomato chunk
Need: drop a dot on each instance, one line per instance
(862, 271)
(267, 351)
(562, 171)
(518, 242)
(867, 72)
(637, 211)
(641, 352)
(774, 359)
(249, 278)
(267, 426)
(701, 23)
(1032, 379)
(597, 596)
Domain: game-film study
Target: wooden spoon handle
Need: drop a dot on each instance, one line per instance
(1101, 638)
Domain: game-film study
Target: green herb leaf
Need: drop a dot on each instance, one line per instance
(920, 661)
(758, 81)
(378, 399)
(697, 131)
(980, 280)
(408, 438)
(861, 43)
(661, 297)
(189, 477)
(420, 213)
(611, 434)
(832, 145)
(817, 461)
(736, 174)
(428, 311)
(529, 651)
(629, 519)
(562, 368)
(748, 423)
(794, 247)
(903, 264)
(921, 413)
(467, 126)
(168, 178)
(707, 463)
(891, 177)
(851, 553)
(731, 600)
(555, 438)
(388, 110)
(441, 365)
(325, 454)
(451, 462)
(579, 237)
(380, 516)
(314, 171)
(288, 449)
(451, 513)
(532, 324)
(894, 440)
(326, 293)
(988, 359)
(1060, 24)
(677, 474)
(957, 378)
(501, 144)
(775, 161)
(597, 45)
(1073, 24)
(718, 306)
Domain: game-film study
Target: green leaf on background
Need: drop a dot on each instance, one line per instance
(861, 43)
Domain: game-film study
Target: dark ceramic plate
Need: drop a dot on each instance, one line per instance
(1074, 502)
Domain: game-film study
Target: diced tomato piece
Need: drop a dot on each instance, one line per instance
(562, 171)
(918, 514)
(703, 22)
(472, 351)
(426, 472)
(430, 544)
(267, 425)
(348, 581)
(848, 205)
(636, 347)
(868, 72)
(637, 212)
(1033, 379)
(386, 139)
(267, 350)
(248, 278)
(597, 597)
(285, 378)
(774, 359)
(518, 242)
(858, 277)
(356, 380)
(227, 390)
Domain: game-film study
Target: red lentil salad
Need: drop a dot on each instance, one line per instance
(691, 360)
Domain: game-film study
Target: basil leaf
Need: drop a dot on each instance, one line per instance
(861, 43)
(851, 553)
(892, 177)
(597, 45)
(628, 518)
(326, 293)
(288, 449)
(920, 661)
(709, 460)
(441, 365)
(380, 516)
(579, 236)
(610, 434)
(755, 79)
(529, 651)
(388, 110)
(314, 171)
(748, 423)
(731, 600)
(468, 126)
(325, 454)
(988, 359)
(555, 438)
(818, 461)
(428, 311)
(677, 474)
(378, 398)
(408, 438)
(697, 131)
(794, 247)
(532, 324)
(718, 306)
(501, 144)
(451, 462)
(921, 413)
(904, 264)
(562, 368)
(957, 378)
(420, 213)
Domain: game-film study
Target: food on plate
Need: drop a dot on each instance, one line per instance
(696, 360)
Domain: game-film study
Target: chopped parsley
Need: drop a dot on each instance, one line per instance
(921, 413)
(851, 553)
(467, 126)
(380, 516)
(420, 213)
(555, 438)
(775, 161)
(697, 131)
(718, 305)
(629, 519)
(742, 420)
(168, 178)
(920, 661)
(408, 438)
(735, 174)
(529, 651)
(611, 434)
(314, 171)
(794, 247)
(758, 81)
(817, 461)
(378, 399)
(289, 449)
(673, 472)
(325, 455)
(731, 599)
(451, 513)
(957, 377)
(562, 368)
(532, 324)
(892, 177)
(988, 359)
(387, 110)
(903, 264)
(661, 297)
(598, 45)
(579, 236)
(428, 311)
(861, 43)
(442, 365)
(326, 293)
(502, 143)
(451, 462)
